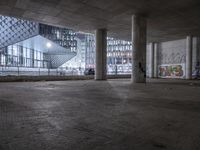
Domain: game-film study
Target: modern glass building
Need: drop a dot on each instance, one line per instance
(19, 56)
(61, 36)
(119, 56)
(26, 44)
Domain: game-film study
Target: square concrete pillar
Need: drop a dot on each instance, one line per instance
(101, 54)
(151, 58)
(155, 74)
(189, 57)
(139, 49)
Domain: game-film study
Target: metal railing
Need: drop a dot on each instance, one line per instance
(21, 71)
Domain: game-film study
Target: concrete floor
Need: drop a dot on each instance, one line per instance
(94, 115)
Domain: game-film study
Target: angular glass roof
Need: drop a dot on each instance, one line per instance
(42, 44)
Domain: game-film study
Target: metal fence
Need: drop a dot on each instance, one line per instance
(21, 71)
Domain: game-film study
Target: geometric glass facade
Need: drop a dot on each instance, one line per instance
(23, 44)
(13, 30)
(62, 36)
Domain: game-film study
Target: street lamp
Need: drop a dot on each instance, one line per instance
(48, 45)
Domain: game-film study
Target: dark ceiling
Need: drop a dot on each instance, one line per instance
(167, 19)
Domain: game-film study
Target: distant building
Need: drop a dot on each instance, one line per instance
(28, 44)
(118, 54)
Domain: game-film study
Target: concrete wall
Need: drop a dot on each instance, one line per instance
(172, 52)
(196, 52)
(172, 56)
(148, 64)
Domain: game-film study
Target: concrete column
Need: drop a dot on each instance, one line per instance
(189, 57)
(194, 53)
(155, 74)
(198, 49)
(151, 58)
(101, 54)
(138, 49)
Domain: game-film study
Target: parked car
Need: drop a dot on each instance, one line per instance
(89, 71)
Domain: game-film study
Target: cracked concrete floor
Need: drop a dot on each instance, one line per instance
(94, 115)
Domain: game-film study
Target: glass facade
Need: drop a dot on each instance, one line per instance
(75, 50)
(34, 54)
(62, 36)
(119, 56)
(13, 30)
(89, 51)
(18, 56)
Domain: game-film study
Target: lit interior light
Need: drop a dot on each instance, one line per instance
(49, 45)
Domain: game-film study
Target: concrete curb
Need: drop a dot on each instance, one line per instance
(54, 78)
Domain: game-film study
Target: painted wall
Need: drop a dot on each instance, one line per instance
(171, 71)
(172, 57)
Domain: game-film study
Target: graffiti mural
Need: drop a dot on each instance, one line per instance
(172, 71)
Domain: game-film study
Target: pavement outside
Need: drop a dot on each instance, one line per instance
(100, 115)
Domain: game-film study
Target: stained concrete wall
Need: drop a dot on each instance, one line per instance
(148, 61)
(173, 53)
(195, 52)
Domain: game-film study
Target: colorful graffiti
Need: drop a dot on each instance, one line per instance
(171, 71)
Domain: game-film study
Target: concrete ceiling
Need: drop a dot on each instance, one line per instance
(167, 19)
